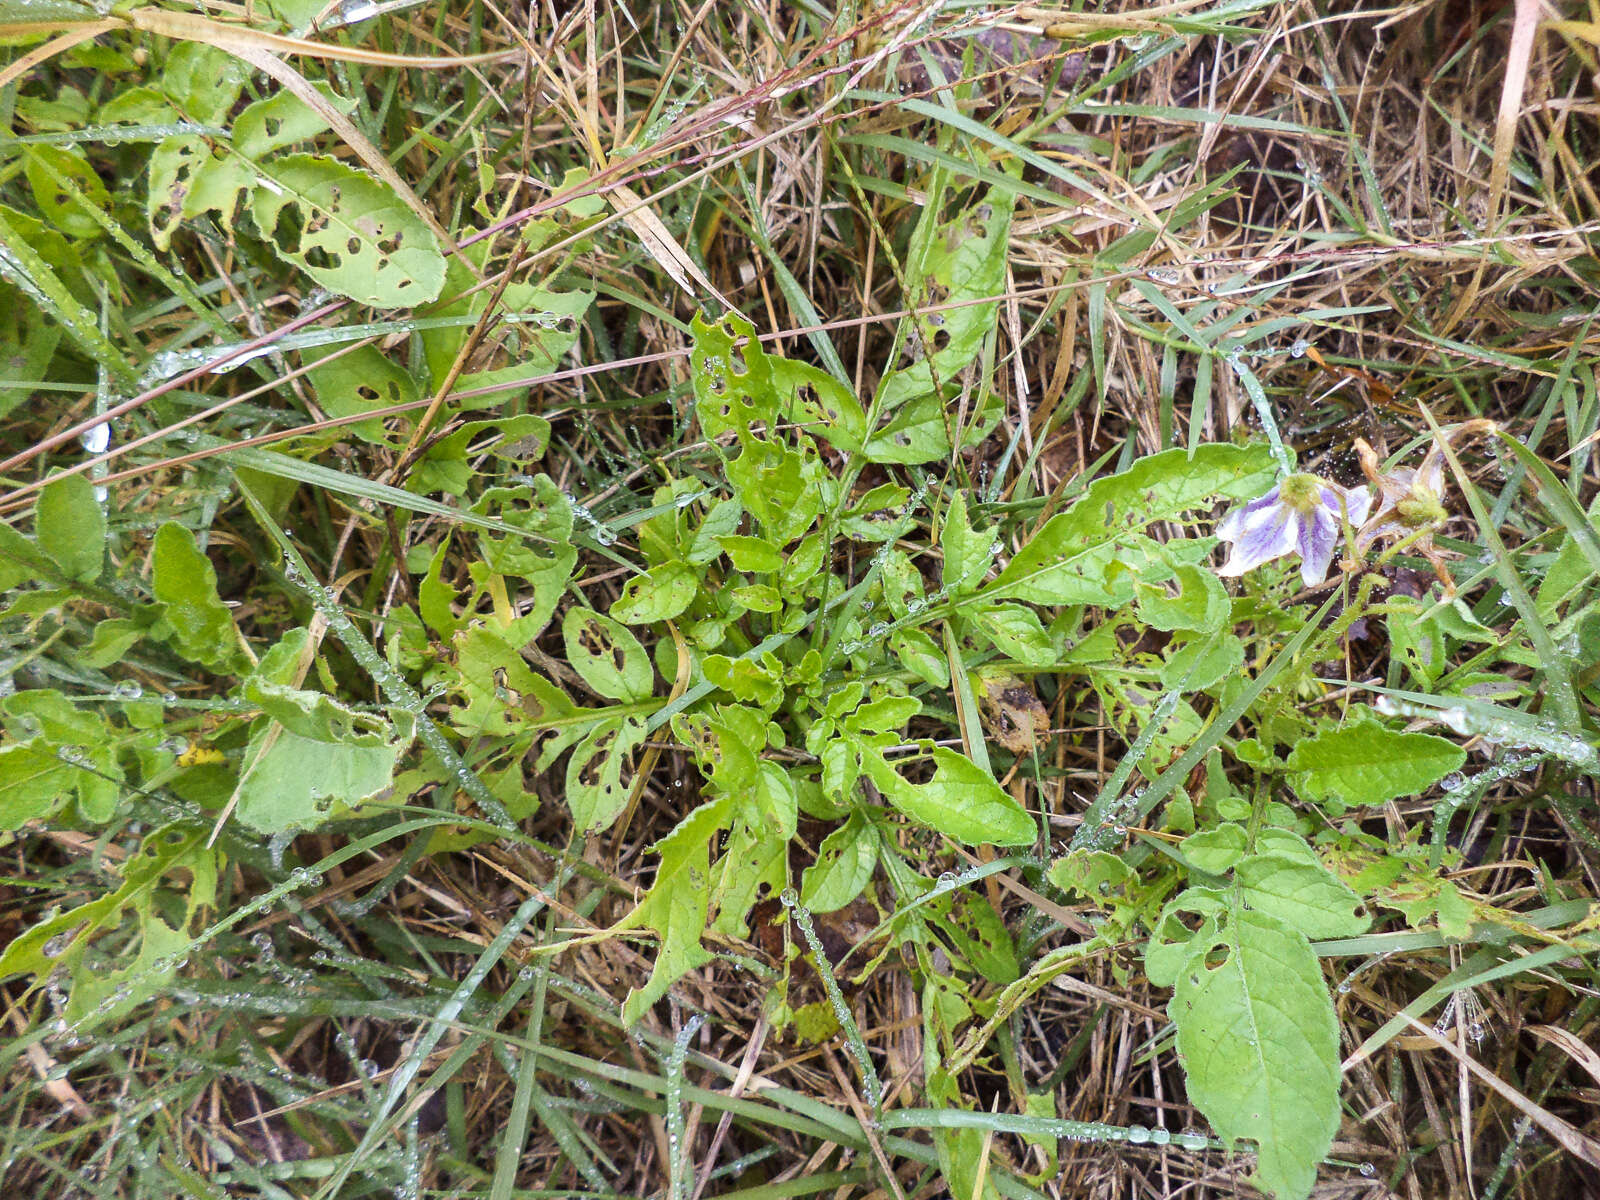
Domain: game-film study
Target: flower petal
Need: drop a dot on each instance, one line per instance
(1354, 501)
(1318, 533)
(1234, 523)
(1261, 537)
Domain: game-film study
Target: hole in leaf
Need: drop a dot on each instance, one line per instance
(353, 245)
(272, 125)
(321, 259)
(287, 229)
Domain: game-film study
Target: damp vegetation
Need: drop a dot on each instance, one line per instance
(900, 600)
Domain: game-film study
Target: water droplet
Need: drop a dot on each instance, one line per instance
(1368, 1170)
(1298, 348)
(127, 690)
(789, 898)
(1138, 1134)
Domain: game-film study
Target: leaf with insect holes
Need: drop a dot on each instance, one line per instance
(961, 800)
(600, 773)
(1256, 1031)
(347, 231)
(844, 866)
(659, 594)
(607, 656)
(356, 381)
(960, 266)
(50, 170)
(283, 119)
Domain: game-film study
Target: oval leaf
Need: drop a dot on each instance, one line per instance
(1366, 763)
(347, 231)
(607, 656)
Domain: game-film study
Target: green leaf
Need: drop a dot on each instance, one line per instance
(359, 380)
(71, 526)
(960, 262)
(1298, 890)
(1017, 632)
(1216, 850)
(968, 554)
(46, 167)
(752, 554)
(677, 904)
(34, 783)
(961, 801)
(186, 582)
(600, 773)
(28, 342)
(544, 560)
(1259, 1043)
(505, 698)
(1368, 763)
(312, 753)
(844, 866)
(1201, 604)
(607, 656)
(347, 231)
(1202, 662)
(546, 332)
(202, 82)
(918, 653)
(283, 119)
(1066, 561)
(660, 594)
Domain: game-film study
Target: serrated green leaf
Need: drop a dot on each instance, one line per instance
(677, 904)
(607, 656)
(1066, 561)
(347, 231)
(186, 582)
(1259, 1044)
(71, 526)
(1368, 763)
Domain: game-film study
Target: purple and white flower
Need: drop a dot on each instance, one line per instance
(1302, 515)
